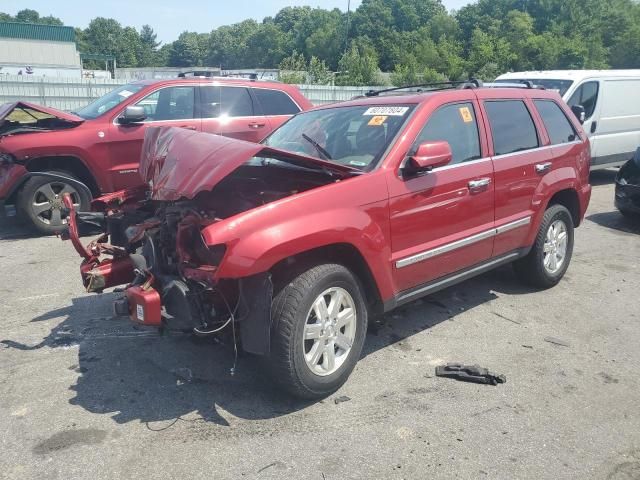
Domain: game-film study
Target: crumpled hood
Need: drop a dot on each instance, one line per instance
(178, 163)
(7, 108)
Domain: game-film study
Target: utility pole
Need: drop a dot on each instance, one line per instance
(346, 40)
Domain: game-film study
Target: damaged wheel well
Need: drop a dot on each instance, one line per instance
(341, 253)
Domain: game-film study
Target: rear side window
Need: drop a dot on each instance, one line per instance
(512, 127)
(587, 96)
(555, 121)
(225, 101)
(457, 125)
(274, 102)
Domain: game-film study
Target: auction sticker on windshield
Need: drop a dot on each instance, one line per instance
(386, 111)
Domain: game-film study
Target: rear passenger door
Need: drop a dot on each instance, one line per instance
(275, 105)
(521, 157)
(231, 111)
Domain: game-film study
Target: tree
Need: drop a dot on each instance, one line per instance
(27, 16)
(187, 51)
(147, 47)
(359, 65)
(318, 72)
(293, 69)
(106, 36)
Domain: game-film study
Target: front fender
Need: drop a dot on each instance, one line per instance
(260, 249)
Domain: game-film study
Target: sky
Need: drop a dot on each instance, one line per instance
(171, 17)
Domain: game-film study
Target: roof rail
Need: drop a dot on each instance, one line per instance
(466, 84)
(516, 84)
(471, 83)
(197, 73)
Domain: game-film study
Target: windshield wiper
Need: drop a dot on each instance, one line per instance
(321, 150)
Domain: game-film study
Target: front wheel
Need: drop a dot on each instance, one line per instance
(40, 202)
(319, 328)
(551, 253)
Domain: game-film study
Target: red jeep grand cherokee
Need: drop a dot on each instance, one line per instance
(100, 144)
(343, 213)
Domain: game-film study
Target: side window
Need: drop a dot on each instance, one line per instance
(225, 101)
(171, 103)
(457, 125)
(274, 102)
(512, 127)
(555, 121)
(587, 96)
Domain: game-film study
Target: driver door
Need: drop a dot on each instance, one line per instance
(441, 220)
(172, 106)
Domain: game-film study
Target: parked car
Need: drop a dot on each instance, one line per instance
(343, 213)
(609, 101)
(627, 198)
(99, 145)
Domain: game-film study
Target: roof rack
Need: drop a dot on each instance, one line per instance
(197, 73)
(528, 84)
(471, 83)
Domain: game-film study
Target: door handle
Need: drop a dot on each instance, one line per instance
(479, 183)
(257, 125)
(188, 127)
(543, 167)
(594, 126)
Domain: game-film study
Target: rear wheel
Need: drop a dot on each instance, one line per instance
(319, 327)
(40, 202)
(551, 254)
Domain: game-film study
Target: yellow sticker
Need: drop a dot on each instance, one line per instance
(378, 120)
(465, 113)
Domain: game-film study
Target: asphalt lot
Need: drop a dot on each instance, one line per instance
(84, 395)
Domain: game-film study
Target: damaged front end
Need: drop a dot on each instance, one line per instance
(152, 238)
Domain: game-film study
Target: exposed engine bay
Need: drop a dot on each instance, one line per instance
(156, 248)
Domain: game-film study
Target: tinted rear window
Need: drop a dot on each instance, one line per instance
(555, 121)
(274, 102)
(512, 127)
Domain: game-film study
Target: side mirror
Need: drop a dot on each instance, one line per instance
(580, 113)
(132, 114)
(430, 155)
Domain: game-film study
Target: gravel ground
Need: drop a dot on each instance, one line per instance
(84, 395)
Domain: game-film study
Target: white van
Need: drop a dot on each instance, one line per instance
(611, 101)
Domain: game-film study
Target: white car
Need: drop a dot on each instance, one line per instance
(611, 102)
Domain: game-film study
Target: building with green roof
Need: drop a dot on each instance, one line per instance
(38, 50)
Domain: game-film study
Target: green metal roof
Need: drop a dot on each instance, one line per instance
(34, 31)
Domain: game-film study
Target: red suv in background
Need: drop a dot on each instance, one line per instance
(99, 145)
(343, 213)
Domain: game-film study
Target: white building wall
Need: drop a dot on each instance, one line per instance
(44, 57)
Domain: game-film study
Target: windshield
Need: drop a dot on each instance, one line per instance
(108, 101)
(560, 86)
(352, 136)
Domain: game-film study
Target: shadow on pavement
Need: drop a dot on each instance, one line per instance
(134, 373)
(603, 177)
(616, 221)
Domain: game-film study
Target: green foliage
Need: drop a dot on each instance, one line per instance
(318, 72)
(293, 69)
(416, 40)
(359, 65)
(30, 16)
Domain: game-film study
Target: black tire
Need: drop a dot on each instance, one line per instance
(531, 269)
(289, 312)
(50, 221)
